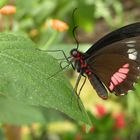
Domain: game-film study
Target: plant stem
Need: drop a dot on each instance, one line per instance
(50, 41)
(7, 24)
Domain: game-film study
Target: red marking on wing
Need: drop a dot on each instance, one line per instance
(114, 80)
(111, 86)
(124, 70)
(125, 65)
(119, 79)
(119, 76)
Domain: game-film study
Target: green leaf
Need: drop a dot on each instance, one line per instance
(13, 112)
(26, 76)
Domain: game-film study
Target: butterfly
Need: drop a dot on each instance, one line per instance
(112, 63)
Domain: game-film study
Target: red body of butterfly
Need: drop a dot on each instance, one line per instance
(113, 62)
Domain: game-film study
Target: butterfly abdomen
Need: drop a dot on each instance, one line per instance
(98, 86)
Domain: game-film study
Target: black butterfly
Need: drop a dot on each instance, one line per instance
(112, 62)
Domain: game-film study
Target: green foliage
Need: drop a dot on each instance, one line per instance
(19, 113)
(133, 102)
(32, 15)
(26, 76)
(90, 11)
(107, 120)
(3, 2)
(104, 127)
(13, 112)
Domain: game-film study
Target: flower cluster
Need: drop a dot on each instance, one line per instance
(103, 122)
(8, 10)
(119, 118)
(57, 25)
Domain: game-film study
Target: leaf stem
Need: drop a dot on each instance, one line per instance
(50, 40)
(7, 25)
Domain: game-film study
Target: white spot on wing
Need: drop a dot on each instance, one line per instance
(134, 84)
(132, 54)
(132, 57)
(122, 94)
(130, 45)
(135, 53)
(130, 91)
(131, 50)
(131, 41)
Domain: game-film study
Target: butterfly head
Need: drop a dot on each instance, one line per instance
(74, 53)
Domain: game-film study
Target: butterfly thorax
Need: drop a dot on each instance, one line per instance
(80, 63)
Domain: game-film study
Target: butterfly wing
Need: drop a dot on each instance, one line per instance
(117, 65)
(125, 32)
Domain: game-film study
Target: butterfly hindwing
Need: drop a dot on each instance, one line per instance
(117, 65)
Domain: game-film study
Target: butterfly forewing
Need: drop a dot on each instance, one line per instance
(126, 32)
(123, 47)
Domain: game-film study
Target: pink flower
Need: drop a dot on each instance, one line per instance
(117, 138)
(84, 128)
(92, 129)
(78, 137)
(119, 120)
(101, 110)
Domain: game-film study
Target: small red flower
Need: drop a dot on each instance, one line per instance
(119, 120)
(101, 110)
(84, 128)
(8, 10)
(92, 129)
(78, 137)
(117, 138)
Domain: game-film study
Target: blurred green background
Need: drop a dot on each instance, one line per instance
(118, 118)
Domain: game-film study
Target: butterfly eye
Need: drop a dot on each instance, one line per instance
(74, 53)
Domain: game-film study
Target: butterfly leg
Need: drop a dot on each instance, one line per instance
(76, 87)
(82, 85)
(61, 64)
(75, 90)
(58, 72)
(77, 83)
(81, 90)
(66, 58)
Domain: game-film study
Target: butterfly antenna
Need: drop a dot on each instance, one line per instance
(74, 29)
(73, 16)
(74, 35)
